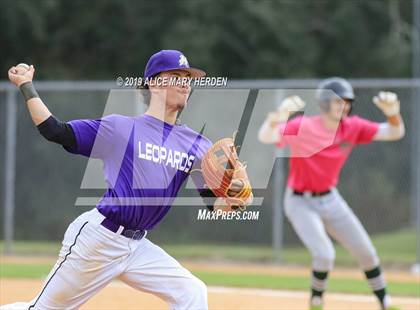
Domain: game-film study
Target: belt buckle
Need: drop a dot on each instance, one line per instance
(138, 234)
(134, 234)
(307, 194)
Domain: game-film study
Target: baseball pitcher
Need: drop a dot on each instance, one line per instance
(146, 160)
(319, 146)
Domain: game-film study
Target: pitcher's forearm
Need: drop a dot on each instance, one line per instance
(37, 109)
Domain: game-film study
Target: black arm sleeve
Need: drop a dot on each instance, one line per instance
(57, 131)
(208, 198)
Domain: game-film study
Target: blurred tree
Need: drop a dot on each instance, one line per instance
(238, 39)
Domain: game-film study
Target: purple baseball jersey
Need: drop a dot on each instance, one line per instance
(146, 161)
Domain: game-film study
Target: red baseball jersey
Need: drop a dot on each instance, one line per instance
(317, 153)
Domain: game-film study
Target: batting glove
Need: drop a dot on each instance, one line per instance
(388, 103)
(287, 108)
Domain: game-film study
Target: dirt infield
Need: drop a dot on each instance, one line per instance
(394, 275)
(119, 296)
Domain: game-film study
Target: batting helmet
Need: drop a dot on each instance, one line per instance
(332, 88)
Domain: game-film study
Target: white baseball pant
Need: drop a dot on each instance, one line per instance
(92, 256)
(313, 218)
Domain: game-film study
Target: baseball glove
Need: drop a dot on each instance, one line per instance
(221, 165)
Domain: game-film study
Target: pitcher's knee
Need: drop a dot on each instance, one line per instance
(323, 261)
(193, 296)
(198, 288)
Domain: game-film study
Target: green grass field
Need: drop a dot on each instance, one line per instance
(395, 249)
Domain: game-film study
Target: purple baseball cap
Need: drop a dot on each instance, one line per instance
(167, 60)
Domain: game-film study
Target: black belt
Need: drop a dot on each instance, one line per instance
(129, 233)
(313, 194)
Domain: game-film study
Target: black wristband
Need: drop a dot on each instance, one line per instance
(28, 91)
